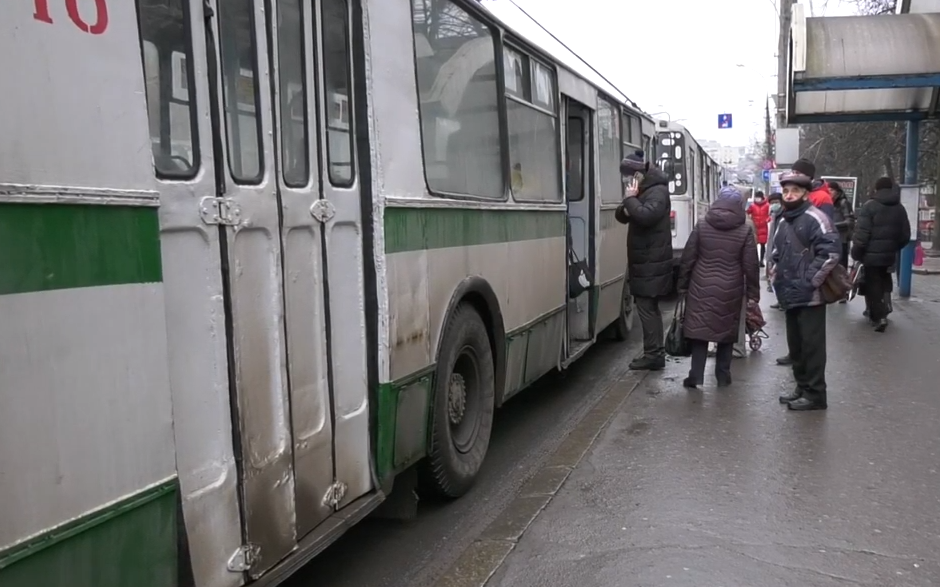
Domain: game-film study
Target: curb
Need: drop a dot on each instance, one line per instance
(477, 564)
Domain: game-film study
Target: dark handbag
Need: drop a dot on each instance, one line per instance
(677, 345)
(579, 273)
(837, 284)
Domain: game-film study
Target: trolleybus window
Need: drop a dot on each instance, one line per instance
(627, 138)
(609, 152)
(293, 90)
(533, 129)
(458, 100)
(336, 57)
(166, 54)
(240, 89)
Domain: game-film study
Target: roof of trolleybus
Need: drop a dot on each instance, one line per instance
(514, 20)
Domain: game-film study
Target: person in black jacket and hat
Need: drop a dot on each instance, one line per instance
(646, 208)
(882, 230)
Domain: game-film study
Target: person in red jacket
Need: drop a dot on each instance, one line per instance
(759, 211)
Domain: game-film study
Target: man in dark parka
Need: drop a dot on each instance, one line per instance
(883, 230)
(646, 209)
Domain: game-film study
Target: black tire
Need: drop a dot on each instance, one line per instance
(462, 406)
(622, 327)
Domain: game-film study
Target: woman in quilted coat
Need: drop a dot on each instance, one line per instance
(719, 268)
(759, 212)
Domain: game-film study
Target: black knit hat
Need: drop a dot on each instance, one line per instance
(806, 167)
(634, 163)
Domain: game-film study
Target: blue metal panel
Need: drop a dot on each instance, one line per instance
(867, 82)
(856, 117)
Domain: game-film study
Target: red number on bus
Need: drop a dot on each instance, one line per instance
(101, 19)
(42, 11)
(101, 24)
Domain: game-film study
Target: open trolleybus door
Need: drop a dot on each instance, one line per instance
(579, 191)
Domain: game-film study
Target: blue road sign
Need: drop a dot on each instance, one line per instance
(766, 175)
(724, 121)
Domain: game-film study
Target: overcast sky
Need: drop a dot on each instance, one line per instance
(693, 59)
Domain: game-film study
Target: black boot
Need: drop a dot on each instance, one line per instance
(689, 383)
(724, 380)
(804, 404)
(648, 364)
(881, 325)
(794, 395)
(785, 360)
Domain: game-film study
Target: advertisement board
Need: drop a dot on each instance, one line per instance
(910, 199)
(926, 216)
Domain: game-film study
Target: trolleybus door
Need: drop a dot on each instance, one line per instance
(292, 260)
(340, 211)
(293, 54)
(323, 256)
(248, 212)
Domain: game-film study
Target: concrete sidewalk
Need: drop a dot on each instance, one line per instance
(726, 487)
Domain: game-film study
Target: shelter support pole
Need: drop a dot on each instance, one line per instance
(906, 265)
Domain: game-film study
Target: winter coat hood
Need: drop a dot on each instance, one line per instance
(888, 196)
(654, 176)
(726, 214)
(730, 193)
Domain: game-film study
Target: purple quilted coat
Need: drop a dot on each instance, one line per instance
(719, 266)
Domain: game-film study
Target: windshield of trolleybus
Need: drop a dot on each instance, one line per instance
(669, 153)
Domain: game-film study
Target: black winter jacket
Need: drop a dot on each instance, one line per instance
(843, 217)
(649, 241)
(806, 249)
(882, 229)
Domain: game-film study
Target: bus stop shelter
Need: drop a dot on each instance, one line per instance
(868, 69)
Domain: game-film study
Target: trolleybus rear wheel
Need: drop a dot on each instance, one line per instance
(624, 324)
(462, 407)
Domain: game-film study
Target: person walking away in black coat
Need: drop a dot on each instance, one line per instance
(646, 209)
(883, 229)
(718, 271)
(806, 249)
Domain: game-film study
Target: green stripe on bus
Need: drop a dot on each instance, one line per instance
(132, 543)
(418, 229)
(61, 246)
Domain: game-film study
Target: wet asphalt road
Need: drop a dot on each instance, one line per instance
(380, 553)
(727, 488)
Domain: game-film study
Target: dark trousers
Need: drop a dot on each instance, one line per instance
(845, 255)
(763, 250)
(806, 337)
(651, 320)
(700, 353)
(877, 289)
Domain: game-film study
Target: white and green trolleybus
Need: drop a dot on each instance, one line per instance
(260, 257)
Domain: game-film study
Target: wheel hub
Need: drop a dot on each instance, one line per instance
(456, 398)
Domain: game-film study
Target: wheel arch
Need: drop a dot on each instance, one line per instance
(477, 292)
